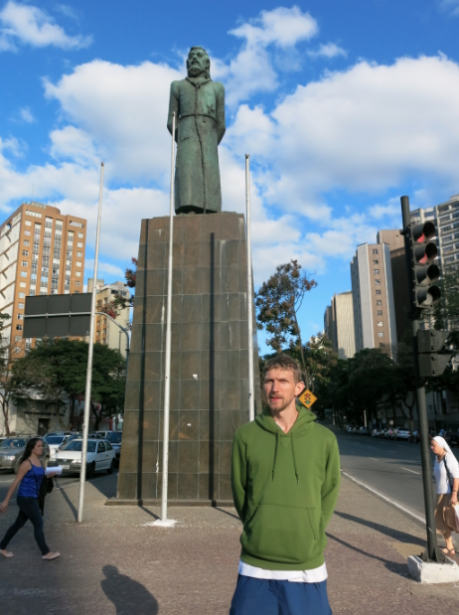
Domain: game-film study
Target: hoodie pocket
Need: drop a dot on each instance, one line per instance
(284, 534)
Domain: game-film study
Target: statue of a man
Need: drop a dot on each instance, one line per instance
(199, 105)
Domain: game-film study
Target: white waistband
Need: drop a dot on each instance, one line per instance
(316, 575)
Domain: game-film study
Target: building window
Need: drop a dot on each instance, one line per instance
(20, 316)
(375, 251)
(22, 295)
(378, 302)
(377, 281)
(24, 263)
(78, 264)
(21, 306)
(17, 349)
(380, 323)
(77, 283)
(18, 327)
(80, 235)
(23, 274)
(27, 243)
(28, 223)
(18, 338)
(78, 274)
(79, 244)
(27, 233)
(381, 334)
(25, 253)
(79, 254)
(379, 313)
(378, 292)
(375, 261)
(376, 271)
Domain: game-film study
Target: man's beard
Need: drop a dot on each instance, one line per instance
(280, 408)
(195, 70)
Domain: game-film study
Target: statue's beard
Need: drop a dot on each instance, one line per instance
(195, 71)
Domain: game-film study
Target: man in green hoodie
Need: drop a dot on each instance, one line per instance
(285, 481)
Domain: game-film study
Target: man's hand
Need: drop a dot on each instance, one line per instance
(3, 506)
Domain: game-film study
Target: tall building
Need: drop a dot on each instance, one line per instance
(339, 325)
(41, 252)
(373, 297)
(105, 331)
(400, 279)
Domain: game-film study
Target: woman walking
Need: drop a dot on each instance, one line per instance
(446, 472)
(29, 479)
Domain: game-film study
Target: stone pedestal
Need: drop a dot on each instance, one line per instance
(209, 378)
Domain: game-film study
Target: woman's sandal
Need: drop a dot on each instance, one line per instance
(50, 555)
(6, 553)
(449, 551)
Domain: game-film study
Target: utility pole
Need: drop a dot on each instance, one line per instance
(420, 253)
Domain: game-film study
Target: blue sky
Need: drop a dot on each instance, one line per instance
(343, 106)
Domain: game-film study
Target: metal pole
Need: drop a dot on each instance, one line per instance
(87, 395)
(167, 383)
(432, 552)
(249, 290)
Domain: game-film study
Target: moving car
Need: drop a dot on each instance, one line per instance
(100, 456)
(402, 434)
(11, 450)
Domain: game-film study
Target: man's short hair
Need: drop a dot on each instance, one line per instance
(284, 361)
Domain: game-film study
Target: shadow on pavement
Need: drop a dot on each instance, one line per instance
(127, 595)
(383, 529)
(395, 567)
(225, 512)
(68, 501)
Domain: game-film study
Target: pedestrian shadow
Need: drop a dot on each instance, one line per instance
(127, 595)
(69, 503)
(395, 567)
(383, 529)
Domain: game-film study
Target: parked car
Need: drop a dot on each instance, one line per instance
(388, 432)
(452, 437)
(377, 432)
(364, 431)
(115, 437)
(402, 434)
(100, 456)
(11, 450)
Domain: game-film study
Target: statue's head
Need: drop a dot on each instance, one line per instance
(198, 62)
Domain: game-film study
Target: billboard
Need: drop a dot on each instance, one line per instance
(57, 315)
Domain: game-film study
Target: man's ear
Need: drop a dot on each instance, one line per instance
(300, 387)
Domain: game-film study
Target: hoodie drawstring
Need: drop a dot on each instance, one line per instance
(293, 457)
(275, 453)
(294, 460)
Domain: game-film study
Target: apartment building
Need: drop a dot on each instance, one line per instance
(41, 253)
(373, 297)
(105, 331)
(339, 322)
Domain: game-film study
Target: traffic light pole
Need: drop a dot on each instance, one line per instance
(432, 553)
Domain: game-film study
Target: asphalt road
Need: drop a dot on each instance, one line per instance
(60, 482)
(391, 468)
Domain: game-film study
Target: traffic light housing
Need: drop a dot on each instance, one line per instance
(426, 273)
(433, 355)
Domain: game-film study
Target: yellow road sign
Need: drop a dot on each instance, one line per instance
(307, 398)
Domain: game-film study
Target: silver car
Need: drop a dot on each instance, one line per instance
(11, 450)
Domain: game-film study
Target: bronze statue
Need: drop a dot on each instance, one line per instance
(199, 105)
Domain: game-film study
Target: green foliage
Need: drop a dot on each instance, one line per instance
(55, 370)
(278, 302)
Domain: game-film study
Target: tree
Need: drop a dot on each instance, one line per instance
(55, 370)
(278, 302)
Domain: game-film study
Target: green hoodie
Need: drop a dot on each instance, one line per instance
(285, 487)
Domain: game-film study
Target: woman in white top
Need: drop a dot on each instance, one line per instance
(446, 472)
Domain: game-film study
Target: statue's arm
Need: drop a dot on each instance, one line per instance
(173, 107)
(221, 125)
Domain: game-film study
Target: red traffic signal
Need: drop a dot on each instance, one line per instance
(426, 272)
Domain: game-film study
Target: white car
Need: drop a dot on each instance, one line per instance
(100, 456)
(56, 443)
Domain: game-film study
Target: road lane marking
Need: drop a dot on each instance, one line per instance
(382, 496)
(374, 458)
(408, 470)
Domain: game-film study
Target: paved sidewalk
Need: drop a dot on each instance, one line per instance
(115, 563)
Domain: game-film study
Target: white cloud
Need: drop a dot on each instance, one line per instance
(26, 115)
(252, 69)
(30, 25)
(391, 209)
(103, 267)
(328, 50)
(450, 5)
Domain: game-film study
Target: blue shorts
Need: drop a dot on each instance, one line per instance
(265, 597)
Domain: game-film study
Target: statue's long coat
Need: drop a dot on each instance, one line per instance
(199, 107)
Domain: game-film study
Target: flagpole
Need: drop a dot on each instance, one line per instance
(249, 290)
(167, 383)
(87, 395)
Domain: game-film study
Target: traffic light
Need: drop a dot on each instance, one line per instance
(433, 356)
(424, 251)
